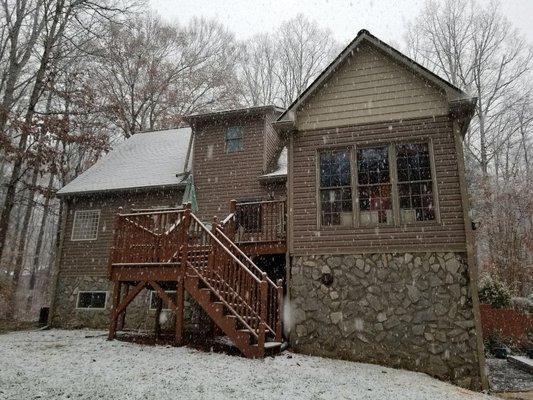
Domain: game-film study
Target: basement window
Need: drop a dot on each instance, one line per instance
(154, 297)
(234, 139)
(85, 225)
(91, 300)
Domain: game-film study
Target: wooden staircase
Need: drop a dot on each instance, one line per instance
(156, 249)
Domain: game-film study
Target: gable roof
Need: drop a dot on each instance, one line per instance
(236, 112)
(453, 93)
(145, 160)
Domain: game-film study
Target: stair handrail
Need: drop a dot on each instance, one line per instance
(213, 237)
(243, 255)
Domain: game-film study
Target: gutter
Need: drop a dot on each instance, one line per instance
(178, 185)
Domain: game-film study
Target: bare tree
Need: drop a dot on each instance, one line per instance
(304, 50)
(258, 69)
(476, 49)
(150, 72)
(274, 69)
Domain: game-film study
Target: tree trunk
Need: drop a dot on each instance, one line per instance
(39, 244)
(50, 40)
(22, 243)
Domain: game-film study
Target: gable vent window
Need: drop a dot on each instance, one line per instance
(415, 185)
(234, 139)
(85, 225)
(335, 188)
(91, 300)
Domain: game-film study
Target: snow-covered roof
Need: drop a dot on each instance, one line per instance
(281, 167)
(148, 159)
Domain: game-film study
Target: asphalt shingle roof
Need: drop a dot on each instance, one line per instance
(147, 159)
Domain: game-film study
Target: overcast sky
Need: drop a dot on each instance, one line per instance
(384, 18)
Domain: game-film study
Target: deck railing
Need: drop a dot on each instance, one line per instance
(256, 222)
(179, 237)
(147, 237)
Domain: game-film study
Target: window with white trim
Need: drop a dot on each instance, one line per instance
(91, 300)
(85, 225)
(154, 297)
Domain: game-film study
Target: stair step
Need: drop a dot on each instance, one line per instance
(243, 317)
(272, 345)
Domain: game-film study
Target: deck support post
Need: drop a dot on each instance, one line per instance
(279, 333)
(115, 310)
(264, 315)
(157, 322)
(122, 317)
(232, 229)
(180, 304)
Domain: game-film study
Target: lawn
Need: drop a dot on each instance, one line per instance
(60, 364)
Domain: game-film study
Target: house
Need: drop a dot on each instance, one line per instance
(341, 225)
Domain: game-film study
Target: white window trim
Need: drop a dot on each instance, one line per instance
(91, 308)
(151, 298)
(74, 223)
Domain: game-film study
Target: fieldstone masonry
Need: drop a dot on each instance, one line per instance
(409, 310)
(138, 315)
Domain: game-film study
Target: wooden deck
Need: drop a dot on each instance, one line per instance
(173, 249)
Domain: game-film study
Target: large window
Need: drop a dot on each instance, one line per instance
(394, 185)
(85, 225)
(374, 186)
(234, 139)
(415, 187)
(91, 300)
(335, 187)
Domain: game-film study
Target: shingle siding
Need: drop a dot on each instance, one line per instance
(220, 176)
(308, 238)
(370, 87)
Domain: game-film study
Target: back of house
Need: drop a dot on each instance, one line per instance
(354, 197)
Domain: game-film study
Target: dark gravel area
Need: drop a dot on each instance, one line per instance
(504, 377)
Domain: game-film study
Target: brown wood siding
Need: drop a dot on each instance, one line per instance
(370, 87)
(89, 258)
(220, 176)
(272, 143)
(308, 238)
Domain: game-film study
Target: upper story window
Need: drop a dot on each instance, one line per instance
(234, 139)
(394, 184)
(415, 186)
(374, 186)
(85, 225)
(335, 187)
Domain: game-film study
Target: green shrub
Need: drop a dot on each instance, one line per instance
(494, 292)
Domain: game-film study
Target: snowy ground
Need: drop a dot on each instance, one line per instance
(504, 376)
(83, 365)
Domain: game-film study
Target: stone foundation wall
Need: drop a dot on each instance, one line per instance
(411, 310)
(138, 314)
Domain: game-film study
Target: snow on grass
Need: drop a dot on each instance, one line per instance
(60, 364)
